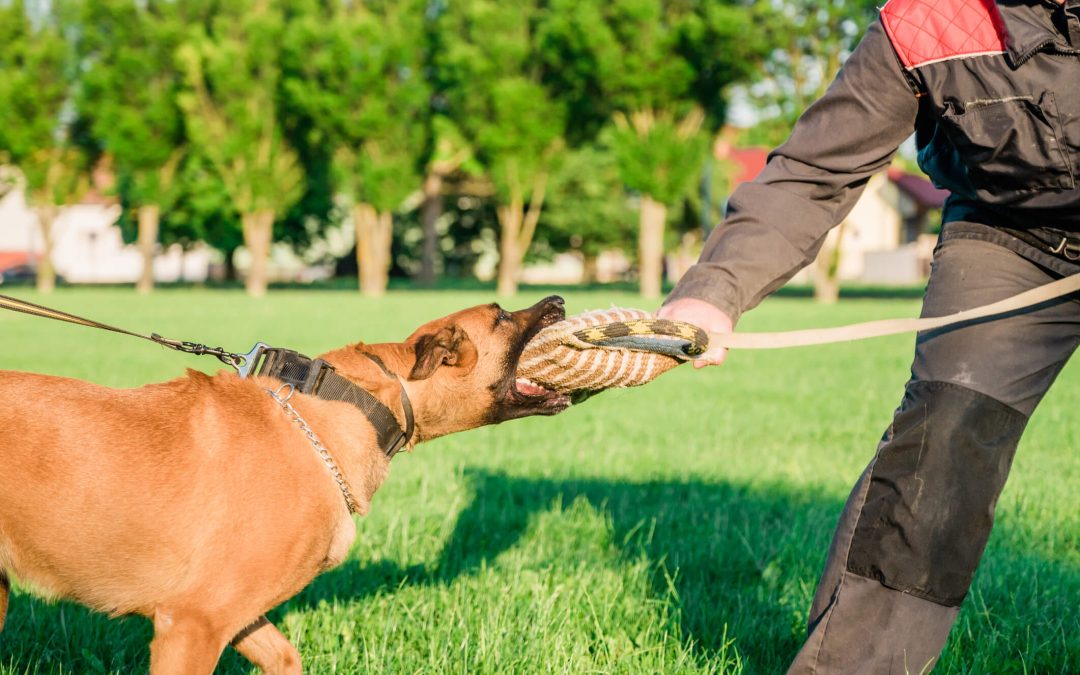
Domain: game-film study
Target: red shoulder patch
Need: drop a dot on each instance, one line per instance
(923, 31)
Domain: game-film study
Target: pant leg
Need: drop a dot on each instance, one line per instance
(915, 525)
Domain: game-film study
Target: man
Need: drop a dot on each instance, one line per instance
(992, 93)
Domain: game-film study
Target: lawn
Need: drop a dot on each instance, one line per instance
(679, 527)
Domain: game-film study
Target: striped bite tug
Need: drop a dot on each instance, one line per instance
(606, 349)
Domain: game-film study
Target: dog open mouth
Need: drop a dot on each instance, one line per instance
(526, 387)
(523, 396)
(536, 399)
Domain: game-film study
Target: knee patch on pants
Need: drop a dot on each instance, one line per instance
(933, 487)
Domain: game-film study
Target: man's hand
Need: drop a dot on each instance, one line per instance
(705, 316)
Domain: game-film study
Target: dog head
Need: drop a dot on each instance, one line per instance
(459, 371)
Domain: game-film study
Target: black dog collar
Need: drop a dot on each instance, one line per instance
(318, 378)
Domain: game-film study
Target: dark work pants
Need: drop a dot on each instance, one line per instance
(916, 523)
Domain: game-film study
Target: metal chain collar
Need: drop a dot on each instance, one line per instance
(327, 458)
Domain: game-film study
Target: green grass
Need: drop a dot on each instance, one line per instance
(679, 527)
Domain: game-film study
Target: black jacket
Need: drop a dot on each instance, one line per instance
(993, 98)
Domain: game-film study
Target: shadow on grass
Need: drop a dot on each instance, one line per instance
(725, 555)
(728, 556)
(735, 556)
(732, 553)
(43, 637)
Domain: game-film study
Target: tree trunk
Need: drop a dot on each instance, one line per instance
(258, 235)
(651, 246)
(430, 213)
(46, 273)
(825, 271)
(511, 218)
(230, 264)
(517, 227)
(373, 240)
(149, 216)
(590, 268)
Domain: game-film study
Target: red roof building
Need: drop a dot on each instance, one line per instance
(891, 220)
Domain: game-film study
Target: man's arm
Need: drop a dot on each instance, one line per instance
(776, 224)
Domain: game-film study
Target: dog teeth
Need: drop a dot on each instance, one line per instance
(529, 388)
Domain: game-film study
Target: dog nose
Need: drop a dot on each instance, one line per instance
(553, 300)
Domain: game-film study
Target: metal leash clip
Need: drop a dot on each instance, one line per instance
(249, 363)
(244, 363)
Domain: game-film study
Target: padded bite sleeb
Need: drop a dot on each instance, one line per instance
(605, 349)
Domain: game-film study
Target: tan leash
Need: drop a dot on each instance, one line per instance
(238, 361)
(304, 375)
(686, 341)
(872, 329)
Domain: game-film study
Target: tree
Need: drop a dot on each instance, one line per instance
(661, 68)
(656, 132)
(659, 157)
(587, 209)
(356, 71)
(129, 92)
(449, 154)
(202, 212)
(36, 79)
(810, 41)
(232, 73)
(494, 87)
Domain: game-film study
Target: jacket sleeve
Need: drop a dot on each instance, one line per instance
(776, 224)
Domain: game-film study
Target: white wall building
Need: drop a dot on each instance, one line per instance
(87, 244)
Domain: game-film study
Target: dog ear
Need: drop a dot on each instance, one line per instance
(440, 349)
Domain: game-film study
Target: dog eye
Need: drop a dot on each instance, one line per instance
(502, 315)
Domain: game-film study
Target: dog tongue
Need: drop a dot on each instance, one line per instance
(529, 388)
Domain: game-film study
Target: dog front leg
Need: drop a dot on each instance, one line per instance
(184, 644)
(264, 645)
(5, 592)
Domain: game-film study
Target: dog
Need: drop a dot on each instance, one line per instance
(201, 504)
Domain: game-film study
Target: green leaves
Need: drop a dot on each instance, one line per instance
(587, 210)
(36, 80)
(356, 73)
(809, 41)
(518, 137)
(493, 84)
(128, 91)
(231, 74)
(307, 107)
(656, 72)
(658, 154)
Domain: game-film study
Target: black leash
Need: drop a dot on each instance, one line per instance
(307, 376)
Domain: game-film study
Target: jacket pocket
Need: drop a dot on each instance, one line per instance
(1011, 145)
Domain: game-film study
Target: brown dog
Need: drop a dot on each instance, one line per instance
(200, 504)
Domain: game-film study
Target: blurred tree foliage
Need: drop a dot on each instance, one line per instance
(37, 127)
(232, 71)
(808, 42)
(443, 131)
(659, 70)
(588, 212)
(491, 79)
(128, 96)
(356, 72)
